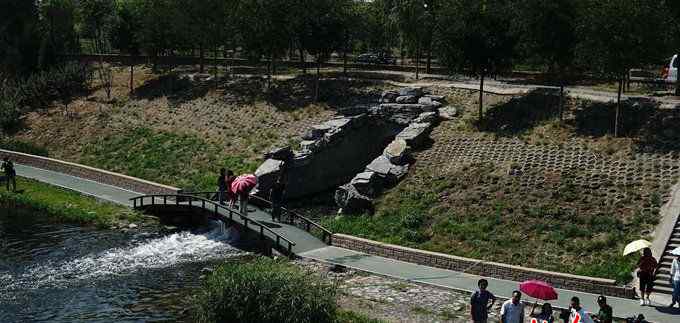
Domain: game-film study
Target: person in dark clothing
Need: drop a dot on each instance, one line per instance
(231, 197)
(479, 302)
(605, 315)
(647, 267)
(276, 197)
(222, 185)
(10, 174)
(546, 315)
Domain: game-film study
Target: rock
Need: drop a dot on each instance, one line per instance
(132, 226)
(407, 99)
(411, 91)
(396, 152)
(270, 166)
(340, 122)
(429, 102)
(367, 183)
(448, 112)
(437, 98)
(415, 134)
(389, 96)
(425, 117)
(311, 146)
(283, 153)
(391, 172)
(351, 201)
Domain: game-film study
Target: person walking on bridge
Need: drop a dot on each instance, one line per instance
(10, 174)
(222, 185)
(276, 197)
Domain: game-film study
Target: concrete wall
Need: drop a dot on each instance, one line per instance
(483, 268)
(91, 173)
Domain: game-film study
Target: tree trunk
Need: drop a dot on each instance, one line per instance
(618, 108)
(481, 96)
(132, 76)
(318, 77)
(201, 54)
(215, 63)
(269, 71)
(418, 61)
(344, 62)
(302, 61)
(429, 58)
(561, 104)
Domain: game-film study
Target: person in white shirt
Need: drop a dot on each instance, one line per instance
(675, 280)
(576, 309)
(512, 310)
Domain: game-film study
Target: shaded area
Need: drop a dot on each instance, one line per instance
(177, 89)
(597, 119)
(521, 113)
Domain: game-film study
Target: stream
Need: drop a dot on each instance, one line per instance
(67, 273)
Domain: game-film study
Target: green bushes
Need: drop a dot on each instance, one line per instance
(23, 147)
(38, 90)
(265, 291)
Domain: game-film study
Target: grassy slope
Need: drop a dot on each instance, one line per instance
(481, 211)
(67, 206)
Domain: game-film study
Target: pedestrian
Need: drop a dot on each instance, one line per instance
(647, 266)
(675, 280)
(276, 197)
(546, 314)
(222, 185)
(576, 310)
(512, 310)
(479, 302)
(606, 314)
(10, 174)
(231, 197)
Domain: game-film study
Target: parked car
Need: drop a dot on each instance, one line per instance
(670, 72)
(367, 58)
(386, 59)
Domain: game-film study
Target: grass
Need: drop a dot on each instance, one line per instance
(480, 212)
(182, 160)
(67, 206)
(23, 147)
(344, 316)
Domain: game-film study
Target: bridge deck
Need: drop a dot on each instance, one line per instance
(302, 239)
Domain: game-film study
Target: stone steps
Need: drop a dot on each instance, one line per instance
(662, 280)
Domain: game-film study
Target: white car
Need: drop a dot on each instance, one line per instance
(670, 72)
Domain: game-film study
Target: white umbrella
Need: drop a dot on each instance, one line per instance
(676, 252)
(636, 246)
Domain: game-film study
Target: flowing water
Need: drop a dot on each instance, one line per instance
(66, 273)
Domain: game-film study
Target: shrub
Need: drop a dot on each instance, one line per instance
(23, 147)
(265, 290)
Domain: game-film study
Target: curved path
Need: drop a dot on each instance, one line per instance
(309, 247)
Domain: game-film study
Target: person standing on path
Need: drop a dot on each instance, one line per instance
(576, 310)
(512, 310)
(10, 174)
(647, 266)
(606, 314)
(222, 185)
(675, 280)
(276, 197)
(479, 302)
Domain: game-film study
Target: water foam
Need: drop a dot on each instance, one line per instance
(174, 249)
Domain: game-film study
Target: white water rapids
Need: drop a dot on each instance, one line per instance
(174, 249)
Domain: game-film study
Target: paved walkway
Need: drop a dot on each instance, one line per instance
(466, 282)
(310, 247)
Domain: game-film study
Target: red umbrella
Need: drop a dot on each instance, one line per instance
(538, 289)
(243, 184)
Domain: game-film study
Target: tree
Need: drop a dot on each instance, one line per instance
(674, 7)
(476, 37)
(123, 38)
(98, 20)
(412, 20)
(19, 37)
(322, 30)
(548, 34)
(160, 27)
(617, 35)
(59, 35)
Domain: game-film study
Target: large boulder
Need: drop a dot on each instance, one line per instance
(267, 174)
(412, 91)
(427, 117)
(283, 153)
(389, 96)
(351, 201)
(415, 134)
(448, 112)
(367, 183)
(397, 152)
(407, 99)
(384, 168)
(427, 101)
(437, 98)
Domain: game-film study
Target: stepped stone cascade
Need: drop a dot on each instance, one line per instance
(393, 164)
(333, 152)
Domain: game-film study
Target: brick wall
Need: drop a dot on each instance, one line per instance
(482, 268)
(94, 174)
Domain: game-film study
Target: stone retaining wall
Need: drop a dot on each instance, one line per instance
(91, 173)
(482, 268)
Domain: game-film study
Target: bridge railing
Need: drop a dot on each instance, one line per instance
(176, 199)
(297, 219)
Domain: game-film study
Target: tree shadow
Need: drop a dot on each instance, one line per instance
(335, 92)
(521, 113)
(177, 89)
(597, 119)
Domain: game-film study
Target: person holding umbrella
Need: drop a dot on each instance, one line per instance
(241, 187)
(647, 266)
(675, 276)
(479, 302)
